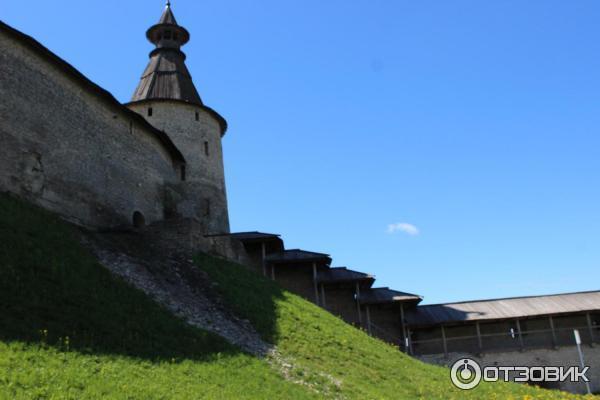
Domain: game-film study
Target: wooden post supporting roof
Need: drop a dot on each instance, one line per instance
(368, 319)
(402, 324)
(314, 268)
(357, 295)
(521, 345)
(272, 271)
(264, 256)
(554, 340)
(323, 302)
(479, 340)
(444, 342)
(590, 327)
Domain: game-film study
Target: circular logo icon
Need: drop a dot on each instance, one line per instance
(465, 374)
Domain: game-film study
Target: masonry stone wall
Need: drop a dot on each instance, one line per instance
(68, 150)
(197, 134)
(564, 356)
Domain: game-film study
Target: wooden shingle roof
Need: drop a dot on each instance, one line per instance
(167, 16)
(166, 77)
(298, 256)
(254, 236)
(272, 241)
(387, 295)
(343, 274)
(508, 308)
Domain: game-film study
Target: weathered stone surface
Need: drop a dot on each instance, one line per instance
(65, 149)
(167, 274)
(197, 134)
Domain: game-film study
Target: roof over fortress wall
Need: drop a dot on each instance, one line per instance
(509, 308)
(90, 87)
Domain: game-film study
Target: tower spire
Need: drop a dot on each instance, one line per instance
(166, 77)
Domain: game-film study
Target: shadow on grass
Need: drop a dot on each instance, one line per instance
(52, 291)
(247, 293)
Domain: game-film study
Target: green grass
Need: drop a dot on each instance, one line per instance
(323, 345)
(71, 330)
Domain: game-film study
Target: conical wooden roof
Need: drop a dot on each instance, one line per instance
(166, 77)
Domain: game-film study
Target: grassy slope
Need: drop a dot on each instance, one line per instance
(323, 344)
(69, 329)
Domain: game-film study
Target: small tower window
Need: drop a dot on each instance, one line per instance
(197, 116)
(206, 207)
(206, 148)
(167, 35)
(149, 111)
(182, 171)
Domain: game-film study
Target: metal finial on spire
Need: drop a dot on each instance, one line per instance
(168, 3)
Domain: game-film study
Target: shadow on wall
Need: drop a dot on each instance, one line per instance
(54, 293)
(248, 294)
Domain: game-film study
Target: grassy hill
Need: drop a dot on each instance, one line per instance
(70, 330)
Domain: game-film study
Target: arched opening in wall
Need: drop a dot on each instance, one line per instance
(139, 221)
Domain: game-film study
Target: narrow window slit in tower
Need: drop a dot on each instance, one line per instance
(206, 148)
(206, 207)
(150, 111)
(197, 116)
(182, 170)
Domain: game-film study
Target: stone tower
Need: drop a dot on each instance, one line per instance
(168, 99)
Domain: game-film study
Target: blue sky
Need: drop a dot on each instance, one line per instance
(471, 127)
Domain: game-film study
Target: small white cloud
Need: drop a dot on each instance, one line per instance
(409, 229)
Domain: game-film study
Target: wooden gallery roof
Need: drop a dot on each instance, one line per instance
(299, 256)
(508, 308)
(254, 236)
(345, 275)
(272, 242)
(386, 295)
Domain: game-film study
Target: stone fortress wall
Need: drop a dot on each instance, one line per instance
(198, 134)
(70, 149)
